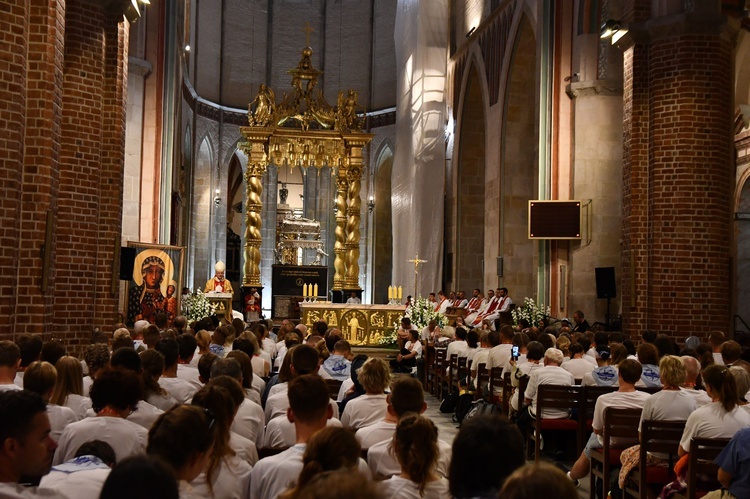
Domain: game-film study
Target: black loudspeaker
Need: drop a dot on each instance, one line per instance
(605, 283)
(127, 260)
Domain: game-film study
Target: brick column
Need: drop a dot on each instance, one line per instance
(677, 173)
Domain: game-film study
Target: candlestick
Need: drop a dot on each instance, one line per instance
(390, 293)
(400, 293)
(304, 290)
(315, 291)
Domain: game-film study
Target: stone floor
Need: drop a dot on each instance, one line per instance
(447, 431)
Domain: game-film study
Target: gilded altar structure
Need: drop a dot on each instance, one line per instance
(359, 324)
(302, 129)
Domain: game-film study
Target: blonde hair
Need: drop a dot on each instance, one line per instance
(203, 339)
(374, 375)
(672, 371)
(69, 380)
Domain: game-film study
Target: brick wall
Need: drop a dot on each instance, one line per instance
(677, 183)
(62, 85)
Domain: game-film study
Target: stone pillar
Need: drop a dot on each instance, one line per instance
(677, 175)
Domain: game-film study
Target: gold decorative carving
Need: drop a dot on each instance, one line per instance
(305, 130)
(359, 324)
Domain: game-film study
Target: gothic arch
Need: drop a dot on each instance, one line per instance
(518, 160)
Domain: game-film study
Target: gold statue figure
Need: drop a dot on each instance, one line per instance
(265, 106)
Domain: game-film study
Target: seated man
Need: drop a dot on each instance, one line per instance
(625, 397)
(10, 361)
(337, 366)
(114, 396)
(406, 398)
(550, 374)
(309, 410)
(26, 448)
(734, 467)
(180, 389)
(409, 355)
(403, 332)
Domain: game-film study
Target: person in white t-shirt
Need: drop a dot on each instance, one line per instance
(114, 396)
(502, 344)
(330, 449)
(184, 437)
(181, 390)
(481, 355)
(458, 346)
(10, 360)
(309, 409)
(40, 378)
(83, 476)
(415, 446)
(723, 417)
(669, 404)
(533, 362)
(152, 363)
(187, 346)
(406, 396)
(227, 473)
(68, 389)
(26, 447)
(374, 376)
(576, 364)
(409, 355)
(693, 369)
(626, 397)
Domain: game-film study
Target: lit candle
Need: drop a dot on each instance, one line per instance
(315, 291)
(390, 292)
(400, 293)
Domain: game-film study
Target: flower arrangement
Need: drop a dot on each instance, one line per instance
(530, 311)
(197, 306)
(421, 312)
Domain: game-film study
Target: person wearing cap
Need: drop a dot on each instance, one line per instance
(218, 283)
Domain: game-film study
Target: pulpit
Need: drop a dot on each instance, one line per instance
(223, 302)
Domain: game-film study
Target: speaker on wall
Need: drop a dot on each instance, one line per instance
(605, 283)
(127, 260)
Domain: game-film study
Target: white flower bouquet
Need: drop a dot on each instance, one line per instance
(530, 311)
(197, 306)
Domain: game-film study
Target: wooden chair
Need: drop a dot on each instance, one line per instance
(461, 374)
(428, 356)
(648, 389)
(586, 412)
(441, 375)
(437, 366)
(702, 471)
(452, 367)
(559, 397)
(507, 391)
(621, 424)
(334, 385)
(661, 437)
(483, 379)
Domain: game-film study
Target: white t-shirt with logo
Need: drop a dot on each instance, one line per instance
(712, 421)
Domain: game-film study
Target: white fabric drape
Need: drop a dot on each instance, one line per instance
(418, 179)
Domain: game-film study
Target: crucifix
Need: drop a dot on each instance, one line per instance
(308, 31)
(416, 263)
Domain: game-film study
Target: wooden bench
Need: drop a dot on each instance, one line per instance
(621, 424)
(661, 437)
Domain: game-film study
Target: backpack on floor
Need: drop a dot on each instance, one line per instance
(481, 408)
(463, 406)
(448, 405)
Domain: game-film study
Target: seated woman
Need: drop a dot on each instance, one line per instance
(408, 356)
(415, 445)
(375, 377)
(68, 389)
(608, 361)
(669, 404)
(182, 437)
(203, 340)
(226, 475)
(648, 356)
(722, 418)
(329, 449)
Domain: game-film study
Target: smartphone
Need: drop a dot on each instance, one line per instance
(514, 352)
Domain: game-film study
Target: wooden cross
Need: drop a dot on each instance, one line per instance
(416, 263)
(308, 31)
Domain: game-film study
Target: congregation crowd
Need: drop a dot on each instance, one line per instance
(226, 410)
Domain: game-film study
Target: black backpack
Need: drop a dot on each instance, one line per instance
(464, 405)
(448, 405)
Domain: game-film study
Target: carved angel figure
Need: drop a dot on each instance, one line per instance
(346, 112)
(265, 106)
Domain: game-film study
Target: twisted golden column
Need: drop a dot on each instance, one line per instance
(256, 167)
(339, 249)
(353, 212)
